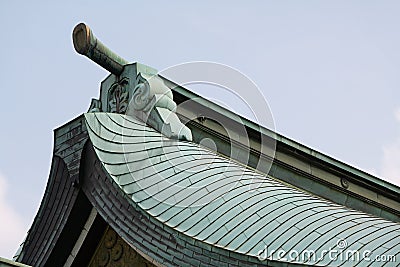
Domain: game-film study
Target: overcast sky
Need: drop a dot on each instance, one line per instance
(329, 71)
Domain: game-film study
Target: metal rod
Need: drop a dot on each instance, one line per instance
(87, 44)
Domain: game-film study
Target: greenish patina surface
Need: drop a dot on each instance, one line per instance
(87, 44)
(125, 77)
(212, 198)
(215, 200)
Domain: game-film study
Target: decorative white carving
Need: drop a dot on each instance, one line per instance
(152, 102)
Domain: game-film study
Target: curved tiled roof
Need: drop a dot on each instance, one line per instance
(213, 199)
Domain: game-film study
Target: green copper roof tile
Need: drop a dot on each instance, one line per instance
(210, 198)
(179, 217)
(393, 241)
(318, 218)
(199, 212)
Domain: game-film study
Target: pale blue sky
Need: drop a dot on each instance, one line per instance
(329, 70)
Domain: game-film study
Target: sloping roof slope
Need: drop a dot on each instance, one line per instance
(210, 198)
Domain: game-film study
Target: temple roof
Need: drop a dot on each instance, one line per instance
(136, 168)
(177, 202)
(207, 196)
